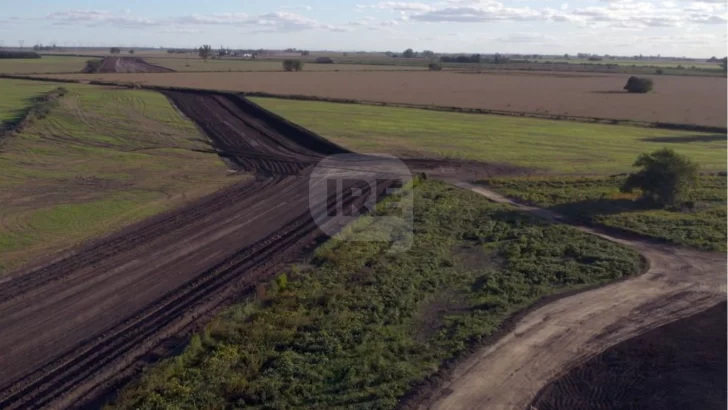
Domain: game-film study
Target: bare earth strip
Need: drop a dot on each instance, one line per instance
(686, 100)
(554, 338)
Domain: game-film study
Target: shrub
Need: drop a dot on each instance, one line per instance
(638, 85)
(434, 67)
(659, 71)
(92, 66)
(666, 177)
(324, 60)
(292, 65)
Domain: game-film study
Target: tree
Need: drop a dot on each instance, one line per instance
(409, 53)
(566, 56)
(114, 50)
(305, 53)
(638, 85)
(205, 51)
(427, 53)
(131, 51)
(666, 177)
(292, 65)
(724, 63)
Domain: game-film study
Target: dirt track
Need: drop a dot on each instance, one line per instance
(73, 325)
(552, 339)
(127, 65)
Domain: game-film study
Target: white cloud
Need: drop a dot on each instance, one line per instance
(525, 38)
(397, 6)
(99, 17)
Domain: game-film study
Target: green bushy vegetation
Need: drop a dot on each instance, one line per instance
(358, 327)
(701, 225)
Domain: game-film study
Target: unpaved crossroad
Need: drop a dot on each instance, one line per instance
(550, 340)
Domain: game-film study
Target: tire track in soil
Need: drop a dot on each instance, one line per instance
(75, 324)
(551, 339)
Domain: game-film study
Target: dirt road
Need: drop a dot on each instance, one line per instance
(551, 339)
(125, 65)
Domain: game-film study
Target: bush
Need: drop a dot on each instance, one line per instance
(638, 85)
(666, 177)
(324, 60)
(659, 71)
(434, 67)
(92, 66)
(19, 54)
(292, 65)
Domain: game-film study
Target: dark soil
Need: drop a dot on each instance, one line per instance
(680, 366)
(125, 65)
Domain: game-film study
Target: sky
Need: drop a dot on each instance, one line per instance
(680, 28)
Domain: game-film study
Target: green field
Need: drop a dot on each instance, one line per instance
(598, 200)
(196, 64)
(17, 97)
(564, 147)
(358, 327)
(101, 159)
(46, 64)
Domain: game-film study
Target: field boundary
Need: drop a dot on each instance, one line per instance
(591, 120)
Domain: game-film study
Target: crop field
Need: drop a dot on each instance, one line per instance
(598, 201)
(198, 65)
(101, 159)
(544, 145)
(46, 64)
(684, 100)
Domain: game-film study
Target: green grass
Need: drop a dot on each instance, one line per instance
(359, 327)
(556, 146)
(17, 97)
(598, 200)
(101, 159)
(46, 64)
(196, 64)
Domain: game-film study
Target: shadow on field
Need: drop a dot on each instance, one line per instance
(590, 208)
(687, 138)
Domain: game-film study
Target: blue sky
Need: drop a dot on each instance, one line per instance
(620, 27)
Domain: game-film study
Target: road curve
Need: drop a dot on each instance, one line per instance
(548, 341)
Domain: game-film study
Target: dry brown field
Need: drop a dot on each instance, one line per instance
(675, 99)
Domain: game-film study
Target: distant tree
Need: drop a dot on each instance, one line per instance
(409, 53)
(499, 59)
(292, 65)
(666, 177)
(659, 71)
(305, 53)
(222, 52)
(638, 85)
(324, 60)
(427, 53)
(724, 63)
(435, 66)
(114, 50)
(131, 51)
(566, 56)
(388, 54)
(205, 51)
